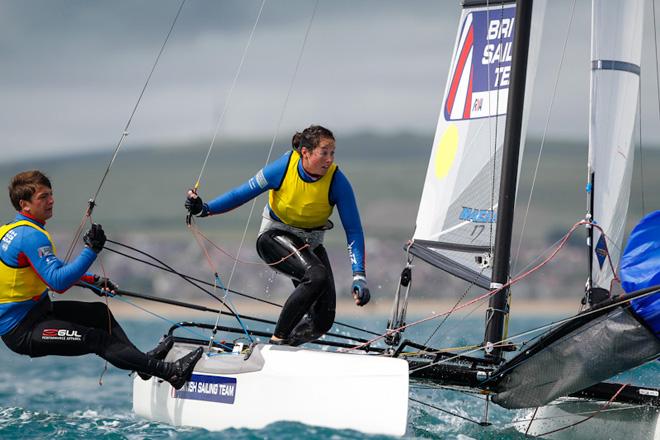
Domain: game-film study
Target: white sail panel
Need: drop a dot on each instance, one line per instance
(460, 193)
(616, 44)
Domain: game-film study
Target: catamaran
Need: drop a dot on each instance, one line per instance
(464, 227)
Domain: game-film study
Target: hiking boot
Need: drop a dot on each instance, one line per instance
(182, 369)
(159, 352)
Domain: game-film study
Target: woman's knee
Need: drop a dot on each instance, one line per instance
(317, 275)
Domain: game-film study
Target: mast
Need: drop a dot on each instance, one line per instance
(497, 306)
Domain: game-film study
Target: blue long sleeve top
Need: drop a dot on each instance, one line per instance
(30, 245)
(270, 178)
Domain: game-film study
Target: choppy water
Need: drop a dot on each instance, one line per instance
(57, 397)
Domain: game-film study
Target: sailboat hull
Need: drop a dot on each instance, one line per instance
(568, 418)
(275, 383)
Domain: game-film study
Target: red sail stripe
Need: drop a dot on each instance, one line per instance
(465, 51)
(468, 96)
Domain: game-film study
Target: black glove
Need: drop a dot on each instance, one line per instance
(360, 290)
(194, 203)
(102, 286)
(95, 238)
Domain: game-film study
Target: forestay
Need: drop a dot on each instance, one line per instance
(616, 45)
(455, 227)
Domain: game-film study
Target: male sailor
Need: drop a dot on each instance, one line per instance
(32, 324)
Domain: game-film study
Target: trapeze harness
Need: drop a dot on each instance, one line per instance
(297, 215)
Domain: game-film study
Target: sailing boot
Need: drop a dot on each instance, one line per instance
(159, 352)
(178, 372)
(304, 332)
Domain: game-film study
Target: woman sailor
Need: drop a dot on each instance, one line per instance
(305, 184)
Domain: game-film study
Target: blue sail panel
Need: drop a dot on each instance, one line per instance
(640, 268)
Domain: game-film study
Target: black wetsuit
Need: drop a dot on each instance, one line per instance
(74, 328)
(315, 286)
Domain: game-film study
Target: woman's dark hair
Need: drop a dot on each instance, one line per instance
(310, 137)
(24, 185)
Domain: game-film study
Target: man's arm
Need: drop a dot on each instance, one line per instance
(56, 274)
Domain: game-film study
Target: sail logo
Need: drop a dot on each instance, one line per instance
(208, 388)
(602, 252)
(479, 77)
(475, 215)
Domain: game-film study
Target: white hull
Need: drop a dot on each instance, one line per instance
(335, 390)
(618, 421)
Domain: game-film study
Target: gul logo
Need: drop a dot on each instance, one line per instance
(480, 74)
(61, 334)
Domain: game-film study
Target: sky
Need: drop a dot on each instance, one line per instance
(73, 70)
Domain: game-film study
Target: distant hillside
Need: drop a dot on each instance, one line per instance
(142, 204)
(146, 186)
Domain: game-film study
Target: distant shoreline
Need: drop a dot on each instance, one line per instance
(345, 308)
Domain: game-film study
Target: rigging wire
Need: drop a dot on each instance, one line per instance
(221, 119)
(451, 413)
(545, 132)
(125, 132)
(230, 94)
(272, 144)
(531, 331)
(607, 404)
(426, 343)
(512, 281)
(166, 268)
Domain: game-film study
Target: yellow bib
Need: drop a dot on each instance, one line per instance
(22, 283)
(302, 204)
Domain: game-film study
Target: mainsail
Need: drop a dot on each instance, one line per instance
(616, 45)
(455, 227)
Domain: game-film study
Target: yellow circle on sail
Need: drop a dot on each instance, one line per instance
(444, 157)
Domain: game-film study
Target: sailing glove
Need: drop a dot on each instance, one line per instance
(195, 205)
(101, 286)
(360, 290)
(95, 238)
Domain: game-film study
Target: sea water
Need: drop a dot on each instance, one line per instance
(76, 397)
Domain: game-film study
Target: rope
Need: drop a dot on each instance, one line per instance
(277, 129)
(92, 201)
(453, 414)
(247, 223)
(229, 95)
(588, 418)
(173, 323)
(511, 282)
(528, 332)
(451, 311)
(166, 268)
(260, 263)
